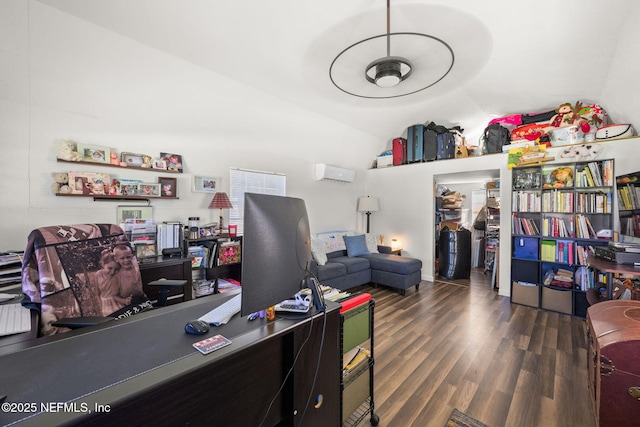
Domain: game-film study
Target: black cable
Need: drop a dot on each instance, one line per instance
(284, 381)
(315, 375)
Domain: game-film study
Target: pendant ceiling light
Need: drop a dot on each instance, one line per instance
(388, 71)
(419, 61)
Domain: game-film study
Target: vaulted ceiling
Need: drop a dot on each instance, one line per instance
(510, 56)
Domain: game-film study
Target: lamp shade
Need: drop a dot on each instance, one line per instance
(220, 200)
(368, 204)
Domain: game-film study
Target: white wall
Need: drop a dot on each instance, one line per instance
(61, 77)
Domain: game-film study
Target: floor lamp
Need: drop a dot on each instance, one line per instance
(368, 205)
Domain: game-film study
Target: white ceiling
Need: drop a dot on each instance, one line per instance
(510, 56)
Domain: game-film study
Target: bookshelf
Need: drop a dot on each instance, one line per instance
(557, 211)
(628, 189)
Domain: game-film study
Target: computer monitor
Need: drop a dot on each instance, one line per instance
(276, 251)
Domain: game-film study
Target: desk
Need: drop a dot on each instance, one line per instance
(165, 381)
(609, 268)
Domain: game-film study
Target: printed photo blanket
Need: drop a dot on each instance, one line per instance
(81, 270)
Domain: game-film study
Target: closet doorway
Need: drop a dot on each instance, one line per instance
(459, 198)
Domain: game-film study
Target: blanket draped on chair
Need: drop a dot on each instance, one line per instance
(80, 270)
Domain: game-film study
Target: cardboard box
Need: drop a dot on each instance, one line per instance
(556, 300)
(525, 294)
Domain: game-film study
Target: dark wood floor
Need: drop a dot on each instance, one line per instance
(453, 346)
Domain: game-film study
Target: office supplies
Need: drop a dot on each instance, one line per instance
(196, 327)
(211, 344)
(221, 314)
(14, 319)
(292, 306)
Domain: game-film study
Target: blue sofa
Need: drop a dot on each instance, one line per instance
(344, 272)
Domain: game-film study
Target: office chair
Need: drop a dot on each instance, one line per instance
(81, 275)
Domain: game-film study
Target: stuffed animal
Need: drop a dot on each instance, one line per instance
(582, 152)
(115, 160)
(558, 178)
(146, 162)
(61, 183)
(69, 151)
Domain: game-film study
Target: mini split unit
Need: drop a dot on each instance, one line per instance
(334, 173)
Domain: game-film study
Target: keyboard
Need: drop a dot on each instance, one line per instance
(224, 312)
(14, 319)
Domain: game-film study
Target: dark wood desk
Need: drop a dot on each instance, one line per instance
(143, 370)
(610, 268)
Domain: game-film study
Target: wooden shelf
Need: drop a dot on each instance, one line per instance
(116, 197)
(119, 167)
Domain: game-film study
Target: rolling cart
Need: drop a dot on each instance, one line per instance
(356, 345)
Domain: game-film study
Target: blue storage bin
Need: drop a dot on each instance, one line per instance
(525, 247)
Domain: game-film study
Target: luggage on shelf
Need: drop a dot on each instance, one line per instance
(415, 143)
(399, 150)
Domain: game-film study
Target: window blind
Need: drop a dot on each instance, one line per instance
(247, 181)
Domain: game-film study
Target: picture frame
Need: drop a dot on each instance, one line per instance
(205, 184)
(159, 164)
(124, 187)
(168, 186)
(174, 161)
(129, 212)
(149, 189)
(89, 183)
(132, 159)
(145, 250)
(94, 153)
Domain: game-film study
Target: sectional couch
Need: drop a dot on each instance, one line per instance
(346, 259)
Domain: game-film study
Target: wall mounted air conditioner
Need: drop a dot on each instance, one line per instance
(334, 173)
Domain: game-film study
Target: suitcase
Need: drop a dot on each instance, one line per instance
(399, 150)
(415, 143)
(430, 145)
(446, 146)
(454, 257)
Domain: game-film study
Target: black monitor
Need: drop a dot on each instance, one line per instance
(276, 251)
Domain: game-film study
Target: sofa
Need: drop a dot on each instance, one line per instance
(346, 259)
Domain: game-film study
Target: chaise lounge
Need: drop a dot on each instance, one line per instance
(345, 260)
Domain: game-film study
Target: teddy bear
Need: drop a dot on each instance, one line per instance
(69, 151)
(115, 160)
(582, 152)
(61, 183)
(146, 162)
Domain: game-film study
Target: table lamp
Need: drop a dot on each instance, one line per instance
(367, 205)
(220, 201)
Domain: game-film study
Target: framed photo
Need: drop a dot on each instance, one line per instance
(94, 153)
(174, 161)
(205, 184)
(133, 159)
(168, 186)
(134, 212)
(124, 187)
(89, 184)
(149, 189)
(145, 250)
(159, 164)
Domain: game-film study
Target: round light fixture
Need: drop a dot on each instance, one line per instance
(388, 71)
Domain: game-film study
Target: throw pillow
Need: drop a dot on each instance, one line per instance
(356, 245)
(372, 245)
(318, 251)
